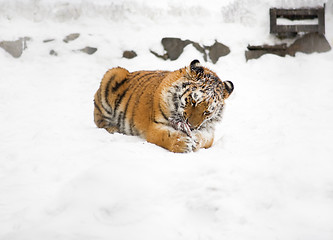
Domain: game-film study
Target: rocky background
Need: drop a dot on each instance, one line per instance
(174, 47)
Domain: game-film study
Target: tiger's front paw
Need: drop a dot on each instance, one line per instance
(182, 143)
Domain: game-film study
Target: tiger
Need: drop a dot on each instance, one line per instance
(176, 110)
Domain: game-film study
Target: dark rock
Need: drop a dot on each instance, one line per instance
(129, 54)
(25, 39)
(309, 43)
(201, 49)
(254, 54)
(15, 48)
(53, 53)
(174, 47)
(88, 50)
(48, 40)
(164, 57)
(217, 50)
(71, 37)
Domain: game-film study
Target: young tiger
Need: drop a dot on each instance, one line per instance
(175, 110)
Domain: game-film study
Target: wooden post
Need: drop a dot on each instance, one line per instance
(321, 20)
(272, 14)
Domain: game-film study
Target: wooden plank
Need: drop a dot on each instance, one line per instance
(277, 47)
(299, 10)
(296, 28)
(298, 14)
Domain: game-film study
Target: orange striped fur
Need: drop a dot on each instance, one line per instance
(175, 110)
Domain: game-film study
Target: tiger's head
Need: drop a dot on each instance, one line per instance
(198, 98)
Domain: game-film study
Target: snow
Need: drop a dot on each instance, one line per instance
(267, 176)
(285, 21)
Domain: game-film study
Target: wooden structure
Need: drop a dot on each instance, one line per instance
(313, 41)
(297, 14)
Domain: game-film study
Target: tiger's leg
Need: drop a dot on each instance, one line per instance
(111, 86)
(173, 140)
(101, 119)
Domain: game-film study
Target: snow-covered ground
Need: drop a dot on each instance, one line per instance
(268, 176)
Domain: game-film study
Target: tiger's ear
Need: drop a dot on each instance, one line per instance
(228, 89)
(196, 67)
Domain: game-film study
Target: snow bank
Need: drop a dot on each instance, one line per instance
(244, 11)
(267, 176)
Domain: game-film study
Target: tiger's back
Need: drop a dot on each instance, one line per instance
(124, 101)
